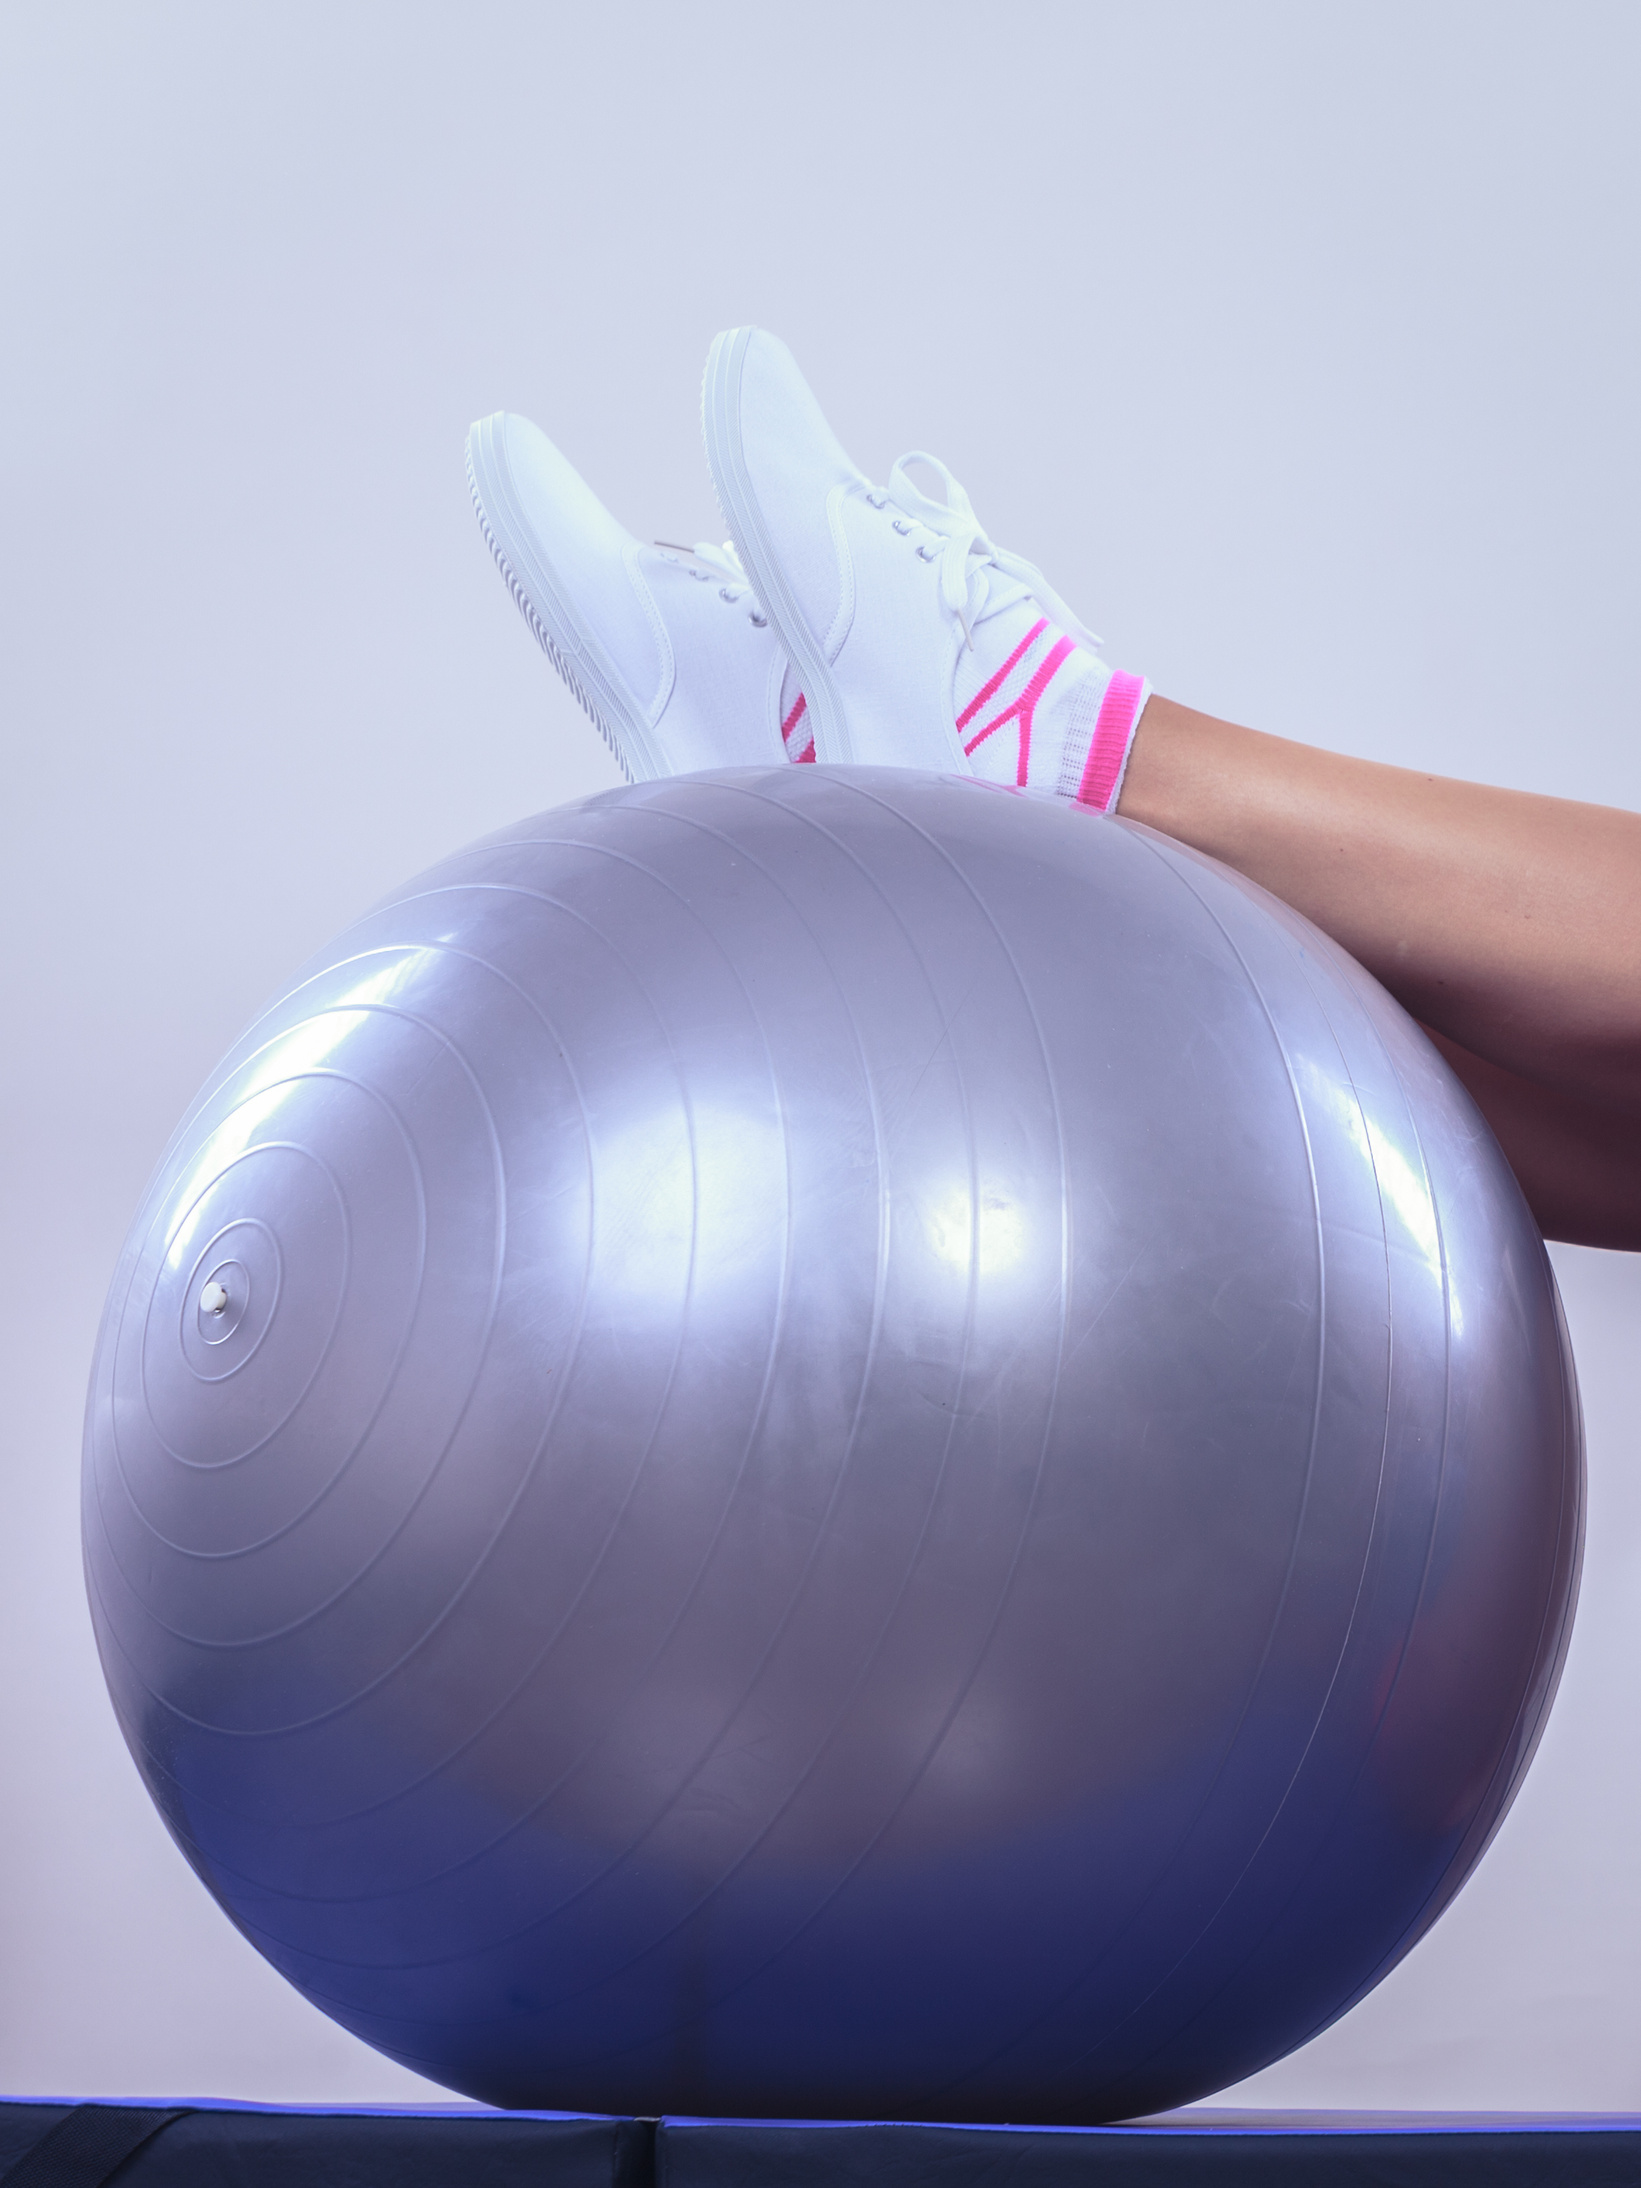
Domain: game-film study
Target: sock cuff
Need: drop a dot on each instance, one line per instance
(1112, 739)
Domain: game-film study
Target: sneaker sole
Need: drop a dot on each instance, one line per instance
(544, 602)
(721, 429)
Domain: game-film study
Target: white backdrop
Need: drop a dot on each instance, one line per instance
(1299, 345)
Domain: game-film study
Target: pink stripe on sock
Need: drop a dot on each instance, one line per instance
(984, 693)
(1024, 708)
(807, 755)
(1108, 747)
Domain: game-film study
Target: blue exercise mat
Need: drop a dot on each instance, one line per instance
(66, 2145)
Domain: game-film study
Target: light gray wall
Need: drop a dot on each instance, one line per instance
(1298, 343)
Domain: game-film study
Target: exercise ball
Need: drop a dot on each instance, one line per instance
(827, 1442)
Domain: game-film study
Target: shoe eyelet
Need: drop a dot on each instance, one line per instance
(760, 622)
(902, 529)
(724, 593)
(928, 553)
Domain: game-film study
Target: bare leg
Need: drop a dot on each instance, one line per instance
(1509, 924)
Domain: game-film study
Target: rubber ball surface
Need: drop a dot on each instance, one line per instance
(830, 1443)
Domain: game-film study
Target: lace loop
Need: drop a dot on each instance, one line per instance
(707, 562)
(722, 563)
(967, 551)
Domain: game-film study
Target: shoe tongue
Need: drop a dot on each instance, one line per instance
(993, 592)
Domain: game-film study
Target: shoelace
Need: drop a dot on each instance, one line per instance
(721, 562)
(966, 549)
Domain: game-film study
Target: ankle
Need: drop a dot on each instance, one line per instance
(1183, 775)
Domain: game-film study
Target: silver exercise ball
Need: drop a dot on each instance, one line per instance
(827, 1442)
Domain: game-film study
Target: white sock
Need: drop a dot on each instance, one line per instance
(1038, 711)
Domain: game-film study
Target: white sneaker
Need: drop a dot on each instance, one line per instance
(665, 647)
(917, 641)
